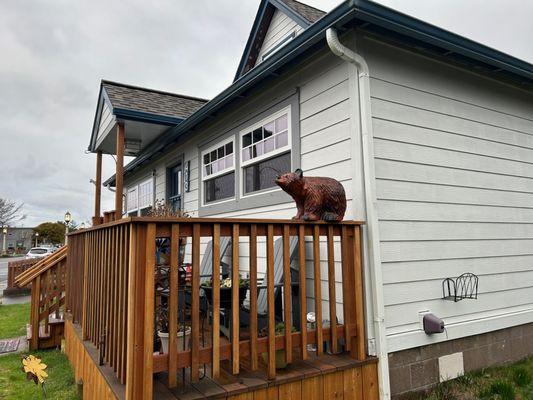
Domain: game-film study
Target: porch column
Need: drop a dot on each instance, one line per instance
(98, 189)
(119, 182)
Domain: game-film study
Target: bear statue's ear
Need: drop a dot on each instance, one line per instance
(299, 173)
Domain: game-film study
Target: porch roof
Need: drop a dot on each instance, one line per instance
(388, 24)
(146, 113)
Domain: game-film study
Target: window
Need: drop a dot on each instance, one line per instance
(218, 172)
(145, 194)
(265, 152)
(140, 197)
(132, 199)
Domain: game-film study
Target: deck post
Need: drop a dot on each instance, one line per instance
(98, 188)
(119, 175)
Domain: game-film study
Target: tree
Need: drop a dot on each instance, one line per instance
(52, 232)
(10, 212)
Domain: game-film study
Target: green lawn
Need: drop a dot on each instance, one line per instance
(513, 382)
(59, 385)
(13, 320)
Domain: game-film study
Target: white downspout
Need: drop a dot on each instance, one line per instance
(367, 142)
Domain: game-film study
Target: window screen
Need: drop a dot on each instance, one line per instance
(261, 175)
(219, 188)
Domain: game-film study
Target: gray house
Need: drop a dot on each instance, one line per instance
(18, 240)
(431, 135)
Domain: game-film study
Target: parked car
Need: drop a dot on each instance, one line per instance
(39, 252)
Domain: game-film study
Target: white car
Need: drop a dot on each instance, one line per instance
(39, 252)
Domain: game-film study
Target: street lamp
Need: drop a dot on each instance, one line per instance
(68, 218)
(36, 239)
(4, 231)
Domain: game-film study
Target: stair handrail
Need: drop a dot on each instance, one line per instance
(41, 267)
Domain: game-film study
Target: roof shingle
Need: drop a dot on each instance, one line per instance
(151, 101)
(311, 14)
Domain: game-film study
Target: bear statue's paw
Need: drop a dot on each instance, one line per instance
(330, 217)
(310, 217)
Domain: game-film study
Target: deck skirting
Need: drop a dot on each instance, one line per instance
(98, 382)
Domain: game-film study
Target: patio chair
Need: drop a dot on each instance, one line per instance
(262, 305)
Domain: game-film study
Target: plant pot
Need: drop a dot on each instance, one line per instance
(280, 359)
(225, 295)
(181, 335)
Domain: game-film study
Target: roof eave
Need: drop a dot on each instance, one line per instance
(364, 10)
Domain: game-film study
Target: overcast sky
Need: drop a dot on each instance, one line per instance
(53, 54)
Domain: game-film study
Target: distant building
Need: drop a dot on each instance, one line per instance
(18, 240)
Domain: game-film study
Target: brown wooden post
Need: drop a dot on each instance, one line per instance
(98, 188)
(119, 175)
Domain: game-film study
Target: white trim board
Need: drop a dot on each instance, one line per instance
(408, 340)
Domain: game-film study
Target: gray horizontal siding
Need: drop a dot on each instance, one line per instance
(454, 183)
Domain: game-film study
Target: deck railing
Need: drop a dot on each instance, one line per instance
(47, 279)
(15, 268)
(113, 293)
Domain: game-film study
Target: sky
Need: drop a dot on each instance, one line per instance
(53, 54)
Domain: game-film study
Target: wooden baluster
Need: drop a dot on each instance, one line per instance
(235, 289)
(149, 294)
(318, 290)
(85, 292)
(287, 293)
(35, 300)
(359, 295)
(90, 281)
(302, 288)
(332, 293)
(47, 290)
(216, 301)
(114, 300)
(127, 233)
(173, 307)
(270, 302)
(107, 295)
(347, 290)
(195, 309)
(253, 297)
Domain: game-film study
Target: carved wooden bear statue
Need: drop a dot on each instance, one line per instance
(316, 198)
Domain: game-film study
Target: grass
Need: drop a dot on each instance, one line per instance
(13, 320)
(513, 382)
(59, 385)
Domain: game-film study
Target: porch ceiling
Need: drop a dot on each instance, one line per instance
(138, 135)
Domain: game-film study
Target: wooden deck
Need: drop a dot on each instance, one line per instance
(114, 310)
(326, 377)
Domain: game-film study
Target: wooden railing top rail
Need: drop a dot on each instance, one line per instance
(42, 266)
(207, 221)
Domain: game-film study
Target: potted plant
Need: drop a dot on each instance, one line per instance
(183, 334)
(225, 291)
(279, 329)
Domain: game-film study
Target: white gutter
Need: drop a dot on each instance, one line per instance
(365, 117)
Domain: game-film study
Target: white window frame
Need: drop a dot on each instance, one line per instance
(130, 190)
(209, 150)
(225, 171)
(150, 183)
(272, 154)
(135, 188)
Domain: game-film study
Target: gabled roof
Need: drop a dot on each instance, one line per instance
(302, 14)
(134, 98)
(142, 104)
(400, 29)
